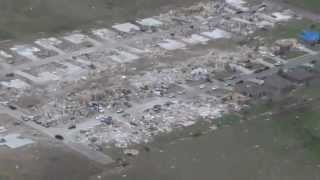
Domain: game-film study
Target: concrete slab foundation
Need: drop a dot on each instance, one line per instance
(170, 45)
(126, 27)
(15, 141)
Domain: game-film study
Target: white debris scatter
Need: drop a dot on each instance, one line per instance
(126, 27)
(26, 50)
(239, 4)
(5, 54)
(48, 76)
(170, 44)
(281, 16)
(2, 129)
(200, 74)
(242, 20)
(130, 88)
(47, 42)
(151, 122)
(217, 34)
(151, 22)
(154, 78)
(14, 141)
(15, 83)
(104, 33)
(264, 24)
(131, 152)
(123, 56)
(76, 38)
(214, 127)
(72, 72)
(196, 39)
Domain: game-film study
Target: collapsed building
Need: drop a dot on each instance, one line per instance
(125, 84)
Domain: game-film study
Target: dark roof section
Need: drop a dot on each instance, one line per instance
(299, 75)
(277, 82)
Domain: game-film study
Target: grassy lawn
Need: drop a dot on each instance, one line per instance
(312, 5)
(292, 118)
(3, 177)
(293, 54)
(291, 29)
(301, 122)
(304, 124)
(312, 91)
(4, 35)
(228, 119)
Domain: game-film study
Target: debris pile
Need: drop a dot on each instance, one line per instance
(126, 85)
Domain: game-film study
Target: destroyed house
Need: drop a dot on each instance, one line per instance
(277, 85)
(251, 89)
(272, 86)
(298, 75)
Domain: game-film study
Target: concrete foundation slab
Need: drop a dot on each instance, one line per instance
(104, 33)
(50, 43)
(42, 77)
(15, 83)
(76, 38)
(170, 44)
(126, 27)
(73, 72)
(196, 39)
(217, 34)
(47, 76)
(123, 56)
(47, 42)
(15, 141)
(151, 22)
(26, 51)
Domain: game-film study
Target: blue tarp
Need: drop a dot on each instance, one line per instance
(310, 36)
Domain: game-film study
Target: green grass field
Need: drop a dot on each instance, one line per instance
(291, 29)
(301, 122)
(312, 5)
